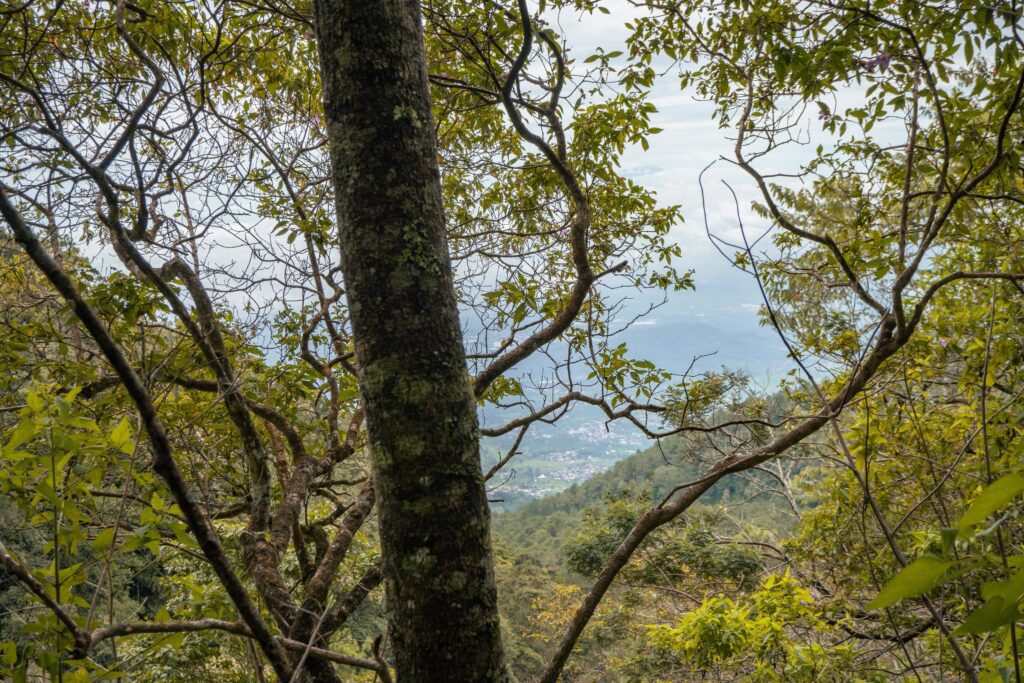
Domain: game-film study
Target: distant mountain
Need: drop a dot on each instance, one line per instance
(554, 457)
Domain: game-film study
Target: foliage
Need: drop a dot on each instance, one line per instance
(752, 638)
(865, 522)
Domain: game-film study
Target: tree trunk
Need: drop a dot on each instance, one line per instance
(420, 412)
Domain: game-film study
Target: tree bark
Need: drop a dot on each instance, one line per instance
(420, 411)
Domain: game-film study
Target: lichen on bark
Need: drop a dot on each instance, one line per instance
(420, 410)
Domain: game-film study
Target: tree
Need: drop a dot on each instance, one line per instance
(416, 391)
(186, 144)
(170, 140)
(865, 270)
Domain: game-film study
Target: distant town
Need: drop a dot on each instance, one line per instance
(550, 460)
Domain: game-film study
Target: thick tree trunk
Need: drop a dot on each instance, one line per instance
(420, 412)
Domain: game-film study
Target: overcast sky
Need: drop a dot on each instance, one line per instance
(720, 317)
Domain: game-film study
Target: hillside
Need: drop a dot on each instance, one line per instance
(540, 527)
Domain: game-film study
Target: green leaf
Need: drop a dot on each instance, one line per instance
(103, 540)
(990, 616)
(26, 429)
(69, 576)
(1011, 589)
(175, 640)
(10, 653)
(80, 675)
(121, 435)
(948, 536)
(34, 401)
(917, 578)
(992, 497)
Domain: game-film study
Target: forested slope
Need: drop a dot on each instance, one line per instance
(541, 527)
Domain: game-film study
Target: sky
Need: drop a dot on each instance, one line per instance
(718, 320)
(720, 316)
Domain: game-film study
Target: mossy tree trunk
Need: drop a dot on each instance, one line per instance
(420, 411)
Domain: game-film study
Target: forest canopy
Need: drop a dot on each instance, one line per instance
(265, 263)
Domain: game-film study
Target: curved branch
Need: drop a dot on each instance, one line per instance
(235, 627)
(19, 572)
(578, 231)
(163, 458)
